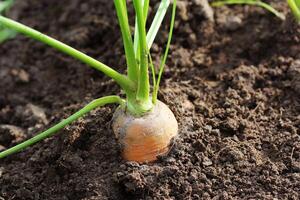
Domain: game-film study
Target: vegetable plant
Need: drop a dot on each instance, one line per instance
(143, 125)
(6, 33)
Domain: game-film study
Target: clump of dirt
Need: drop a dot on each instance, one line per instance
(232, 80)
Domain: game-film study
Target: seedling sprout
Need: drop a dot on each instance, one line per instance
(138, 105)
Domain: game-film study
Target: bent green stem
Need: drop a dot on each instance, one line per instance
(164, 59)
(250, 2)
(51, 131)
(122, 80)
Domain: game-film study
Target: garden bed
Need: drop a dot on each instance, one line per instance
(233, 84)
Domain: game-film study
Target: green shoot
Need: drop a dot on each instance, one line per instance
(51, 131)
(132, 66)
(143, 84)
(157, 21)
(164, 59)
(136, 32)
(295, 8)
(250, 2)
(5, 33)
(153, 71)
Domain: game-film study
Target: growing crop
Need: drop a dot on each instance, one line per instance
(6, 33)
(143, 125)
(250, 2)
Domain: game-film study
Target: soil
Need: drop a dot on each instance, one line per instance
(232, 80)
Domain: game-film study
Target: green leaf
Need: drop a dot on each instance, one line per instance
(157, 21)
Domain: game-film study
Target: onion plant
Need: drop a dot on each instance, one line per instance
(143, 125)
(6, 33)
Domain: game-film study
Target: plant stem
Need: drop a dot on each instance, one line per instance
(94, 104)
(153, 71)
(145, 4)
(250, 2)
(297, 2)
(163, 62)
(132, 66)
(295, 9)
(143, 91)
(122, 80)
(157, 21)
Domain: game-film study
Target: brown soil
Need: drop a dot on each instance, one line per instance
(233, 84)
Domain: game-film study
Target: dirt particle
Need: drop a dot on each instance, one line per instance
(10, 134)
(296, 166)
(294, 74)
(20, 75)
(205, 9)
(232, 23)
(231, 154)
(207, 161)
(1, 171)
(32, 114)
(183, 10)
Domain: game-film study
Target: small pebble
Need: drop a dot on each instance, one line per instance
(21, 75)
(205, 9)
(10, 133)
(38, 113)
(207, 161)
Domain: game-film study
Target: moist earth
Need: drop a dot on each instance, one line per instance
(232, 81)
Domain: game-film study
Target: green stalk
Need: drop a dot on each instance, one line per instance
(146, 9)
(145, 4)
(297, 3)
(122, 80)
(250, 2)
(294, 6)
(153, 71)
(162, 64)
(143, 91)
(51, 131)
(157, 21)
(132, 67)
(155, 25)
